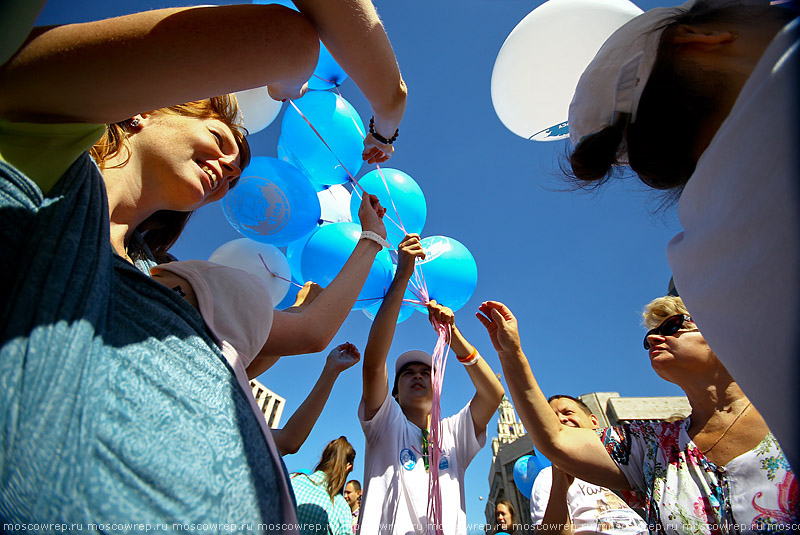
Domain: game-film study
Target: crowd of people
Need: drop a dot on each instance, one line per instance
(150, 357)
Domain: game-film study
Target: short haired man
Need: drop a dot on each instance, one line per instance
(352, 495)
(398, 453)
(563, 504)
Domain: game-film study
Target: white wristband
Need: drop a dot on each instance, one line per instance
(474, 360)
(374, 236)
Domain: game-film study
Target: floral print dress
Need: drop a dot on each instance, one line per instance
(685, 493)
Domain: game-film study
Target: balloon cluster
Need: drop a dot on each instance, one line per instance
(306, 201)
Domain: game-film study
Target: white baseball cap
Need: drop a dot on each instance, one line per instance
(415, 355)
(616, 77)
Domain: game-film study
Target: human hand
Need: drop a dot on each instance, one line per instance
(501, 325)
(440, 313)
(375, 151)
(280, 91)
(407, 252)
(305, 296)
(371, 214)
(342, 357)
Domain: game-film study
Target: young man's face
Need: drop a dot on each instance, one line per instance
(573, 415)
(351, 496)
(414, 385)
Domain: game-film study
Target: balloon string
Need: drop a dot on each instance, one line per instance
(275, 274)
(350, 176)
(326, 80)
(439, 361)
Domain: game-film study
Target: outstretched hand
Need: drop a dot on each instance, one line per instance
(342, 357)
(305, 296)
(407, 252)
(440, 313)
(501, 325)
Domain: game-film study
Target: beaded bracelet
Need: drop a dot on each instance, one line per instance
(374, 236)
(470, 359)
(380, 137)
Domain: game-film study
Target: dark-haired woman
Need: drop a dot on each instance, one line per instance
(321, 508)
(702, 101)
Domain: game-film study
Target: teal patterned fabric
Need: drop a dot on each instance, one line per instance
(115, 405)
(316, 513)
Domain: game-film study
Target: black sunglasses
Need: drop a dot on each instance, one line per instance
(668, 327)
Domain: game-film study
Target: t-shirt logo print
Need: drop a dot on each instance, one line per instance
(407, 459)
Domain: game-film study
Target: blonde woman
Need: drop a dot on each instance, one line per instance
(718, 469)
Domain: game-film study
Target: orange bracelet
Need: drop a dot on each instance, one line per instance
(469, 359)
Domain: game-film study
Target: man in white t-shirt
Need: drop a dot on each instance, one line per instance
(398, 454)
(561, 503)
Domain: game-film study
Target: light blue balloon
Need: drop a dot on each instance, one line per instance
(400, 195)
(326, 253)
(449, 270)
(272, 203)
(405, 312)
(285, 3)
(526, 469)
(290, 296)
(341, 129)
(327, 74)
(294, 254)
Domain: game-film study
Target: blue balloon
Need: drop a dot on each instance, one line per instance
(327, 74)
(525, 471)
(372, 310)
(326, 253)
(290, 296)
(294, 254)
(449, 271)
(341, 129)
(400, 195)
(272, 203)
(285, 3)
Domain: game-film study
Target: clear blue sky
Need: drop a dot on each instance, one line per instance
(576, 268)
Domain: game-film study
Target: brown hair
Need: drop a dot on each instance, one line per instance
(511, 510)
(584, 407)
(335, 457)
(161, 230)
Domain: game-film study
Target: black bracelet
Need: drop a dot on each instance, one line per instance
(380, 137)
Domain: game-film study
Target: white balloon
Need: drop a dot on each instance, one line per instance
(249, 255)
(335, 204)
(542, 59)
(257, 109)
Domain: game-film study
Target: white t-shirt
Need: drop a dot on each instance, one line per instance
(737, 262)
(395, 499)
(593, 509)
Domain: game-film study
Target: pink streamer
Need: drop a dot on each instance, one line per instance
(439, 361)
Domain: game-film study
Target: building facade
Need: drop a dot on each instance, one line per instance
(512, 441)
(270, 403)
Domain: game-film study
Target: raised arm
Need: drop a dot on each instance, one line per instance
(376, 380)
(310, 329)
(297, 428)
(577, 451)
(556, 520)
(109, 70)
(488, 390)
(354, 35)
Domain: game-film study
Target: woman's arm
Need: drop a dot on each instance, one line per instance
(488, 390)
(311, 329)
(355, 37)
(109, 70)
(375, 377)
(578, 451)
(297, 428)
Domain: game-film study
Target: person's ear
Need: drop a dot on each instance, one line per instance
(695, 36)
(595, 423)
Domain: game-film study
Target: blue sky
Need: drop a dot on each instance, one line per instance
(576, 268)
